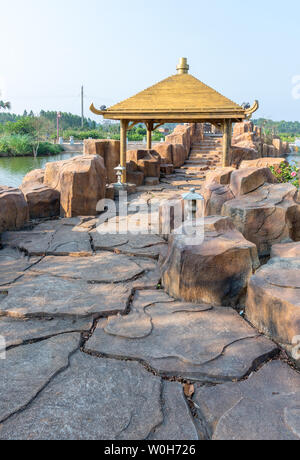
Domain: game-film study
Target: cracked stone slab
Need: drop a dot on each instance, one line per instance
(28, 369)
(104, 267)
(43, 295)
(178, 424)
(12, 265)
(151, 277)
(136, 245)
(94, 399)
(138, 324)
(16, 332)
(264, 407)
(50, 239)
(67, 241)
(195, 342)
(33, 242)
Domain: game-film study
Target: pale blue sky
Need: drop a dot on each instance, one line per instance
(246, 50)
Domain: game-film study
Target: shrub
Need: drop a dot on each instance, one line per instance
(46, 148)
(287, 173)
(16, 144)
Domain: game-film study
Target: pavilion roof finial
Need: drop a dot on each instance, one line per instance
(183, 66)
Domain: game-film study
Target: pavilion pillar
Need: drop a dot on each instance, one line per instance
(227, 133)
(123, 147)
(149, 134)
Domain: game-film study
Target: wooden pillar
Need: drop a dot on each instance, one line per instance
(227, 133)
(149, 134)
(123, 147)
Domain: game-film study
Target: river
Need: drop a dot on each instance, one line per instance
(13, 169)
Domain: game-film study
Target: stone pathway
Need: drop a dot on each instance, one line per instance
(97, 350)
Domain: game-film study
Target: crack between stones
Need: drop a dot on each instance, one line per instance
(44, 386)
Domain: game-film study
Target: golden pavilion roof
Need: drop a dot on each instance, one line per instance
(180, 97)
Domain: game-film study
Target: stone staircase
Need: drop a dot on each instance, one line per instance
(204, 156)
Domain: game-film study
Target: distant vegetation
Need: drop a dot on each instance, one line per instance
(286, 130)
(29, 134)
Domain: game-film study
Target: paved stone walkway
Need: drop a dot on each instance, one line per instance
(97, 350)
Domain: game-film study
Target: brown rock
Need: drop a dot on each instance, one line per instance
(151, 181)
(286, 251)
(277, 143)
(179, 155)
(133, 175)
(165, 151)
(241, 128)
(147, 161)
(42, 200)
(167, 169)
(109, 150)
(181, 136)
(213, 268)
(81, 182)
(273, 302)
(219, 176)
(242, 153)
(215, 195)
(13, 209)
(35, 176)
(262, 163)
(265, 216)
(246, 180)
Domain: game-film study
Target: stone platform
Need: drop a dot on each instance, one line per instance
(97, 350)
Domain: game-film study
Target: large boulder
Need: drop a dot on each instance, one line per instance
(241, 153)
(36, 176)
(273, 302)
(265, 216)
(147, 161)
(181, 135)
(179, 155)
(215, 195)
(165, 152)
(277, 143)
(13, 209)
(286, 250)
(81, 182)
(241, 128)
(213, 267)
(109, 150)
(134, 176)
(263, 163)
(219, 176)
(246, 180)
(42, 200)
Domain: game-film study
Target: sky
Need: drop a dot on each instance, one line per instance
(116, 48)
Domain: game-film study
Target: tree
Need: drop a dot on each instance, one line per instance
(5, 105)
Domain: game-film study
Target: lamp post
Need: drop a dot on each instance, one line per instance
(58, 117)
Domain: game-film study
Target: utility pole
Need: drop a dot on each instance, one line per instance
(82, 108)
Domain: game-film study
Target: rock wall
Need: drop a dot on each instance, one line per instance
(249, 143)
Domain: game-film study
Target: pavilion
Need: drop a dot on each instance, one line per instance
(180, 98)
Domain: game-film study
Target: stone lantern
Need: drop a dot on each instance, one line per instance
(192, 199)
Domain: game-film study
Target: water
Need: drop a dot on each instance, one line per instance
(294, 157)
(13, 169)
